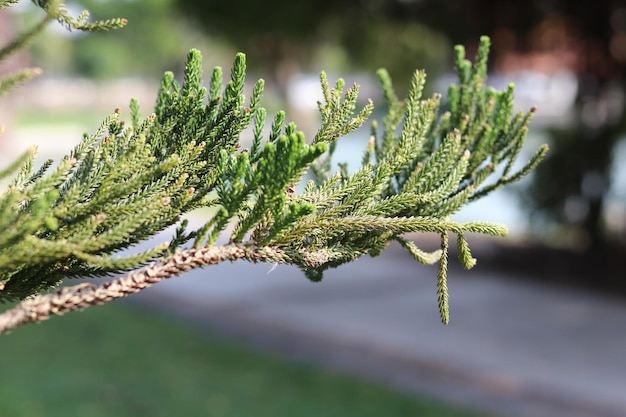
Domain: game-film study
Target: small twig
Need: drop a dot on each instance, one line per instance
(81, 296)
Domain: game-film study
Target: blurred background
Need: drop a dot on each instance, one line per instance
(539, 328)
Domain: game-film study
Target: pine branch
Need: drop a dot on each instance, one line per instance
(126, 182)
(442, 281)
(56, 9)
(10, 81)
(121, 185)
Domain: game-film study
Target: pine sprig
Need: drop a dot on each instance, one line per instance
(282, 163)
(426, 258)
(442, 281)
(338, 119)
(11, 81)
(56, 9)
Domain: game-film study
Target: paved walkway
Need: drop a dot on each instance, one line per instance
(513, 348)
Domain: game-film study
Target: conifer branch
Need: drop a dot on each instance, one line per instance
(442, 281)
(56, 10)
(10, 81)
(125, 183)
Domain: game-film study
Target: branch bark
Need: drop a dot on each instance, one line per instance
(81, 296)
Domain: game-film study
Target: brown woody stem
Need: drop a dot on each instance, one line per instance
(81, 296)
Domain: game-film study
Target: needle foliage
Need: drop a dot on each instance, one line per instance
(134, 176)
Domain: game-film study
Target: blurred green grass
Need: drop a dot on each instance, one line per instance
(118, 360)
(86, 118)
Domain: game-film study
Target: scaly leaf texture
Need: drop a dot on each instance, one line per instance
(122, 184)
(417, 172)
(428, 162)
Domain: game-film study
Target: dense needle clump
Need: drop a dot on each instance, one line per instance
(130, 179)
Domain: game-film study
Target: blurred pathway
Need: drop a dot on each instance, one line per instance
(512, 348)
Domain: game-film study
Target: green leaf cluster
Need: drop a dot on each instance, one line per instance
(129, 180)
(121, 184)
(420, 168)
(426, 162)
